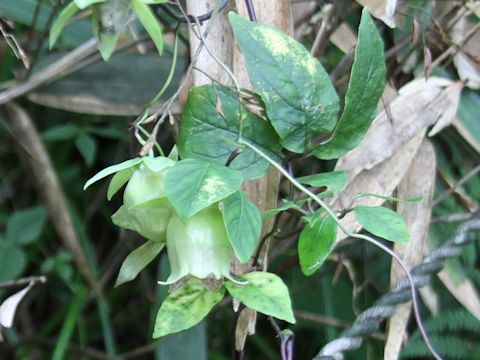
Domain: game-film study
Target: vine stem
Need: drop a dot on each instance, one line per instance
(331, 213)
(225, 68)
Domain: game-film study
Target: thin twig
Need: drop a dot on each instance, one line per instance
(33, 25)
(332, 214)
(454, 48)
(15, 46)
(39, 45)
(265, 238)
(186, 18)
(89, 353)
(324, 31)
(452, 218)
(324, 320)
(22, 281)
(457, 185)
(165, 109)
(142, 350)
(286, 340)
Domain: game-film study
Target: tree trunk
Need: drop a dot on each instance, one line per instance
(263, 192)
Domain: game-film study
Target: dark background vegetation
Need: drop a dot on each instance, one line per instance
(66, 318)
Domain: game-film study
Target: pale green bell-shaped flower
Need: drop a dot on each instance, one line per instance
(145, 208)
(199, 246)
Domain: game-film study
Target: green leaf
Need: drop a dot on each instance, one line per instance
(158, 163)
(13, 262)
(60, 133)
(334, 181)
(365, 88)
(137, 260)
(87, 147)
(106, 43)
(109, 132)
(62, 19)
(243, 223)
(287, 205)
(383, 222)
(300, 100)
(149, 22)
(209, 131)
(82, 4)
(185, 307)
(25, 226)
(118, 180)
(75, 306)
(114, 95)
(113, 169)
(265, 293)
(192, 185)
(315, 243)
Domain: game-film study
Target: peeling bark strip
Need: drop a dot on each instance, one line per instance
(418, 181)
(263, 192)
(45, 179)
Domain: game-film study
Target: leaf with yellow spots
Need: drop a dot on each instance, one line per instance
(299, 97)
(193, 184)
(185, 307)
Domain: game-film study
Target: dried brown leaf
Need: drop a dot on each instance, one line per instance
(379, 163)
(427, 62)
(92, 105)
(418, 181)
(430, 299)
(465, 292)
(381, 9)
(344, 38)
(382, 179)
(420, 104)
(245, 326)
(416, 30)
(450, 98)
(467, 60)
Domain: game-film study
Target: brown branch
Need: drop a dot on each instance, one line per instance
(325, 27)
(331, 18)
(50, 72)
(142, 350)
(324, 320)
(43, 174)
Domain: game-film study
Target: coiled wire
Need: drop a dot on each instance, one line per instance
(369, 320)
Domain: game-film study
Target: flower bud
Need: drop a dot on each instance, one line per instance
(199, 246)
